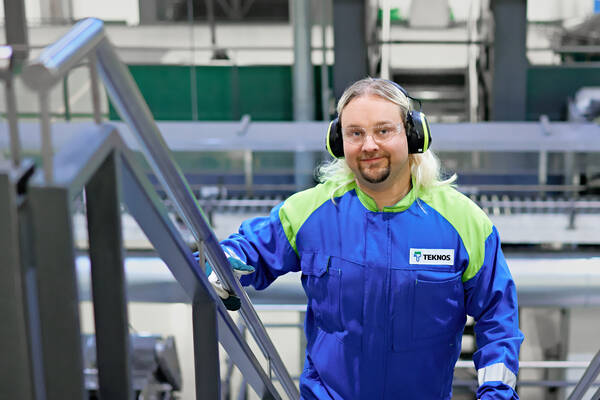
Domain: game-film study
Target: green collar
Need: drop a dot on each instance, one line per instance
(400, 206)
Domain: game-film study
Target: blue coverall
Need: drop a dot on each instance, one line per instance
(388, 291)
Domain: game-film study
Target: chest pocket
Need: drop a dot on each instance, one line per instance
(334, 287)
(427, 307)
(438, 308)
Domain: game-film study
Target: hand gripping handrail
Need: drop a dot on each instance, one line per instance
(87, 39)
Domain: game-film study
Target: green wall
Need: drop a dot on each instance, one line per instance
(549, 87)
(224, 92)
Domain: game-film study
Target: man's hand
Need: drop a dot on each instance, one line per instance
(230, 301)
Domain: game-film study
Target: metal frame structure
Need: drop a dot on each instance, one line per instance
(97, 161)
(100, 163)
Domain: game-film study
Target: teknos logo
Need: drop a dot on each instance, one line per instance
(432, 256)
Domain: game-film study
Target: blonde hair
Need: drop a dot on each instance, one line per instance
(425, 167)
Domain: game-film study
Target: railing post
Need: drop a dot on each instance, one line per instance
(206, 348)
(95, 87)
(108, 281)
(16, 371)
(54, 255)
(65, 93)
(11, 116)
(46, 132)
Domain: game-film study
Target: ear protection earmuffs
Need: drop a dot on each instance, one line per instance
(418, 134)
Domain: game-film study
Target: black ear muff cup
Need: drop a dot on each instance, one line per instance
(418, 134)
(335, 145)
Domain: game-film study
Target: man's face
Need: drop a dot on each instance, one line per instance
(375, 163)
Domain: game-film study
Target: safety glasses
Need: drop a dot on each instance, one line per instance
(380, 133)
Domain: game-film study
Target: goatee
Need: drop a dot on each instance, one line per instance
(377, 176)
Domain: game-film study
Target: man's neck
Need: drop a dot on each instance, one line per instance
(386, 194)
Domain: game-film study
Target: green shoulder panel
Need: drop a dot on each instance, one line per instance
(297, 208)
(471, 223)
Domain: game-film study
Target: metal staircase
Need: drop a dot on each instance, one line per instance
(451, 92)
(43, 336)
(445, 91)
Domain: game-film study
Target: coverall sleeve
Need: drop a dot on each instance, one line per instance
(491, 299)
(262, 243)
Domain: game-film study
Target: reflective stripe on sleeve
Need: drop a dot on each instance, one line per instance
(497, 372)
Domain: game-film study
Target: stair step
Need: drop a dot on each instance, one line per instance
(450, 76)
(438, 95)
(446, 118)
(442, 91)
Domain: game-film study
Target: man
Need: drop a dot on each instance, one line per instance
(392, 261)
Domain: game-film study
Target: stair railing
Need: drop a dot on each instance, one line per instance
(587, 380)
(87, 40)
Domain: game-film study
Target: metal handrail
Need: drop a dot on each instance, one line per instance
(88, 39)
(588, 378)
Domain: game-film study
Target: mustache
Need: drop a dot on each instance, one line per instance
(372, 155)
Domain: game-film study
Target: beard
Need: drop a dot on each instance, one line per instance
(374, 174)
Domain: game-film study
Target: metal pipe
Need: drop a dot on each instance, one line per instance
(302, 73)
(56, 59)
(193, 83)
(324, 65)
(46, 132)
(65, 87)
(210, 15)
(386, 27)
(11, 115)
(543, 168)
(95, 87)
(433, 41)
(304, 107)
(472, 62)
(248, 174)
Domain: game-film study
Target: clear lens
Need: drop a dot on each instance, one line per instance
(380, 134)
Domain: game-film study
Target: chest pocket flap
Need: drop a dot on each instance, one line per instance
(314, 264)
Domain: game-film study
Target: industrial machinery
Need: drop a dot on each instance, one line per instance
(154, 367)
